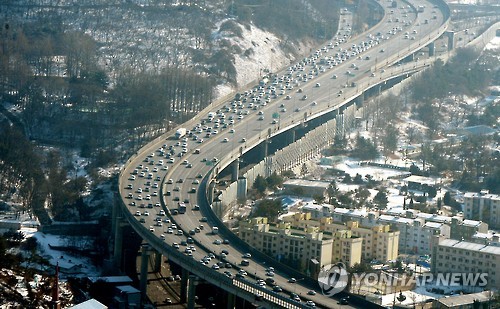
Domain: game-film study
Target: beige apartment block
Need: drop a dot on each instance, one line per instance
(378, 242)
(305, 245)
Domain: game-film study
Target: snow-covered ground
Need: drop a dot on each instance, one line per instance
(353, 167)
(68, 263)
(493, 44)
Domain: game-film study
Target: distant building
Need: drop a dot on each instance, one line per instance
(308, 188)
(478, 130)
(126, 296)
(362, 216)
(466, 229)
(416, 228)
(415, 234)
(421, 183)
(286, 243)
(378, 242)
(465, 301)
(483, 206)
(454, 256)
(89, 304)
(111, 280)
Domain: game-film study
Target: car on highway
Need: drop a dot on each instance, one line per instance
(277, 289)
(245, 262)
(295, 297)
(344, 301)
(270, 281)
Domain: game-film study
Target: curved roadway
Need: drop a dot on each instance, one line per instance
(151, 186)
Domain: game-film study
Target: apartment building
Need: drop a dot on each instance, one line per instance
(416, 228)
(304, 187)
(379, 242)
(415, 234)
(466, 229)
(454, 256)
(483, 206)
(305, 245)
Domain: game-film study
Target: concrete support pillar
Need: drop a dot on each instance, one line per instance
(157, 264)
(242, 188)
(292, 136)
(236, 170)
(144, 272)
(231, 300)
(118, 245)
(360, 100)
(118, 232)
(191, 291)
(451, 40)
(184, 283)
(211, 192)
(265, 148)
(432, 49)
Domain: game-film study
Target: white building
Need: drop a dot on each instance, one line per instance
(483, 206)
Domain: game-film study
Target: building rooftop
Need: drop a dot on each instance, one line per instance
(112, 279)
(471, 222)
(483, 195)
(422, 180)
(435, 225)
(393, 219)
(316, 207)
(351, 212)
(469, 246)
(89, 304)
(466, 299)
(127, 289)
(434, 217)
(478, 130)
(307, 183)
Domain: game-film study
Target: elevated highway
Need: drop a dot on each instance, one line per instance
(156, 179)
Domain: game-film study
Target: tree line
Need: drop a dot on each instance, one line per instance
(64, 94)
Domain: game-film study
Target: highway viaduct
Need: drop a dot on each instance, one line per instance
(329, 105)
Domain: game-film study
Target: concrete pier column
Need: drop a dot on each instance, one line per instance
(184, 283)
(192, 291)
(118, 231)
(265, 148)
(157, 264)
(242, 188)
(236, 170)
(144, 271)
(231, 300)
(292, 136)
(432, 49)
(360, 100)
(451, 40)
(118, 245)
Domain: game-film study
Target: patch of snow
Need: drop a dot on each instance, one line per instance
(352, 168)
(493, 44)
(264, 54)
(65, 260)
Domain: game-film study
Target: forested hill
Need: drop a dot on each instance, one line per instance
(94, 73)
